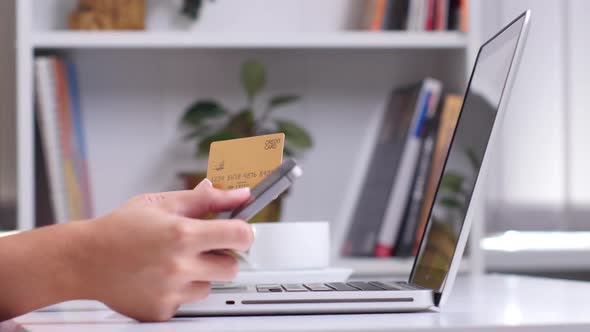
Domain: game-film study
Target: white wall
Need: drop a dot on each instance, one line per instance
(579, 136)
(538, 170)
(579, 72)
(7, 102)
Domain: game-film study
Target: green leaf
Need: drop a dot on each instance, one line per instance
(288, 151)
(200, 131)
(205, 144)
(253, 76)
(451, 203)
(242, 124)
(294, 134)
(200, 111)
(191, 8)
(452, 182)
(282, 100)
(474, 160)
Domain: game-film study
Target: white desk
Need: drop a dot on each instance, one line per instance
(489, 303)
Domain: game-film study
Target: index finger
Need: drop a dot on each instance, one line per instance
(200, 201)
(222, 234)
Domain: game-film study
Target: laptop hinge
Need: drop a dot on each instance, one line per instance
(437, 297)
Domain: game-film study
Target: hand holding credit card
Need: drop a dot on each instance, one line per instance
(265, 192)
(253, 162)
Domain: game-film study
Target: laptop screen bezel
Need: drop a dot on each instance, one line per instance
(450, 274)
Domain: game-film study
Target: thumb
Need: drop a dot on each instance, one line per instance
(205, 198)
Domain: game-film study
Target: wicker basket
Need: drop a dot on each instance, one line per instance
(108, 15)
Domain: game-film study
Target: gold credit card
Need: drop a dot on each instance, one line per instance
(244, 162)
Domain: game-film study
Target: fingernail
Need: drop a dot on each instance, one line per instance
(205, 182)
(240, 190)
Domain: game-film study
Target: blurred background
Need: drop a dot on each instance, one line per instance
(101, 100)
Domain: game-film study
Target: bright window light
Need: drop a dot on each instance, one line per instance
(517, 241)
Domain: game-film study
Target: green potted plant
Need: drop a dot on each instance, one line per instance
(191, 8)
(207, 120)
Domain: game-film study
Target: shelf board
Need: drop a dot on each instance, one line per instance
(334, 40)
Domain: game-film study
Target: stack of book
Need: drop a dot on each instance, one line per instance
(403, 171)
(63, 184)
(416, 15)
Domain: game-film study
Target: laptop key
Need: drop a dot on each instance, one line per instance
(317, 287)
(364, 286)
(294, 288)
(342, 287)
(269, 288)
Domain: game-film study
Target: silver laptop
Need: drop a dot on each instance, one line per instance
(444, 239)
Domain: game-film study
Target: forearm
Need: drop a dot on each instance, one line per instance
(41, 267)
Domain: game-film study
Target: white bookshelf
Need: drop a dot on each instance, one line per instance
(145, 79)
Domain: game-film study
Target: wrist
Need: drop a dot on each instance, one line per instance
(77, 254)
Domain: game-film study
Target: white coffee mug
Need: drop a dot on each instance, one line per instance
(290, 246)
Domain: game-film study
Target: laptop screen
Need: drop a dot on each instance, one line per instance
(468, 145)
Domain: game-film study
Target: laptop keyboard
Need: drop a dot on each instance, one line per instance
(353, 286)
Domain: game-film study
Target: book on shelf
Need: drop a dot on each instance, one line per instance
(397, 145)
(63, 162)
(416, 15)
(401, 177)
(80, 147)
(446, 128)
(380, 172)
(396, 18)
(44, 206)
(379, 11)
(404, 243)
(425, 109)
